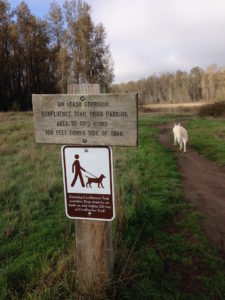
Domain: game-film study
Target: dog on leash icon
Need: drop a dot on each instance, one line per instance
(77, 170)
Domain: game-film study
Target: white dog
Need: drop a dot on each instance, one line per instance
(180, 136)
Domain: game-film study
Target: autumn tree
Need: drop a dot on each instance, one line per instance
(195, 88)
(5, 55)
(179, 86)
(35, 56)
(58, 37)
(102, 62)
(220, 91)
(91, 58)
(43, 55)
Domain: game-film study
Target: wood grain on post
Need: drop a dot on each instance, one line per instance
(92, 89)
(94, 252)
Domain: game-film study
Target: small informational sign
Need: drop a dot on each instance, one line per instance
(88, 182)
(104, 119)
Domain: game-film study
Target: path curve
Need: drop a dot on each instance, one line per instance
(204, 185)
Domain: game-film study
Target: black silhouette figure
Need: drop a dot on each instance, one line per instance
(78, 173)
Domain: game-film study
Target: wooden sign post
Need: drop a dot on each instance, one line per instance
(88, 120)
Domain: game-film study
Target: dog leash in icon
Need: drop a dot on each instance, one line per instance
(91, 174)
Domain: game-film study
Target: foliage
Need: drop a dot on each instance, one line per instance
(27, 62)
(207, 136)
(216, 110)
(41, 56)
(161, 252)
(37, 241)
(179, 86)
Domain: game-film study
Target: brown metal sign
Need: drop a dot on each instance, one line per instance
(88, 182)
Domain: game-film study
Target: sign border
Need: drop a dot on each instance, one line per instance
(111, 181)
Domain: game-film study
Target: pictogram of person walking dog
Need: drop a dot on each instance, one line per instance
(77, 170)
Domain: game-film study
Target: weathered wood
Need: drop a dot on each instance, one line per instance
(94, 254)
(105, 119)
(94, 89)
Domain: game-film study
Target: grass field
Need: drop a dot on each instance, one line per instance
(174, 108)
(160, 250)
(208, 138)
(176, 105)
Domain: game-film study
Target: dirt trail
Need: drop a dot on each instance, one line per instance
(204, 185)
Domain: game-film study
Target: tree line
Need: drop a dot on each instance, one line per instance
(179, 86)
(42, 55)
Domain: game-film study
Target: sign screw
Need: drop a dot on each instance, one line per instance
(82, 98)
(84, 141)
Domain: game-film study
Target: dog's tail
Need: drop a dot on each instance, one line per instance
(87, 177)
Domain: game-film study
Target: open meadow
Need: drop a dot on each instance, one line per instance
(161, 251)
(174, 107)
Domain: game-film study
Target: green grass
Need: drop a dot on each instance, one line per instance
(207, 136)
(165, 253)
(35, 235)
(160, 250)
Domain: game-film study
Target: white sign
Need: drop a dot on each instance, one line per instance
(88, 182)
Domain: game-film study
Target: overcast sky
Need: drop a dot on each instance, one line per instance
(154, 36)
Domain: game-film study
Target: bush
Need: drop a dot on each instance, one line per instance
(216, 110)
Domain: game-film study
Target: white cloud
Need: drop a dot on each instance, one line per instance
(152, 36)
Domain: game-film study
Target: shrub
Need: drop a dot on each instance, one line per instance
(216, 110)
